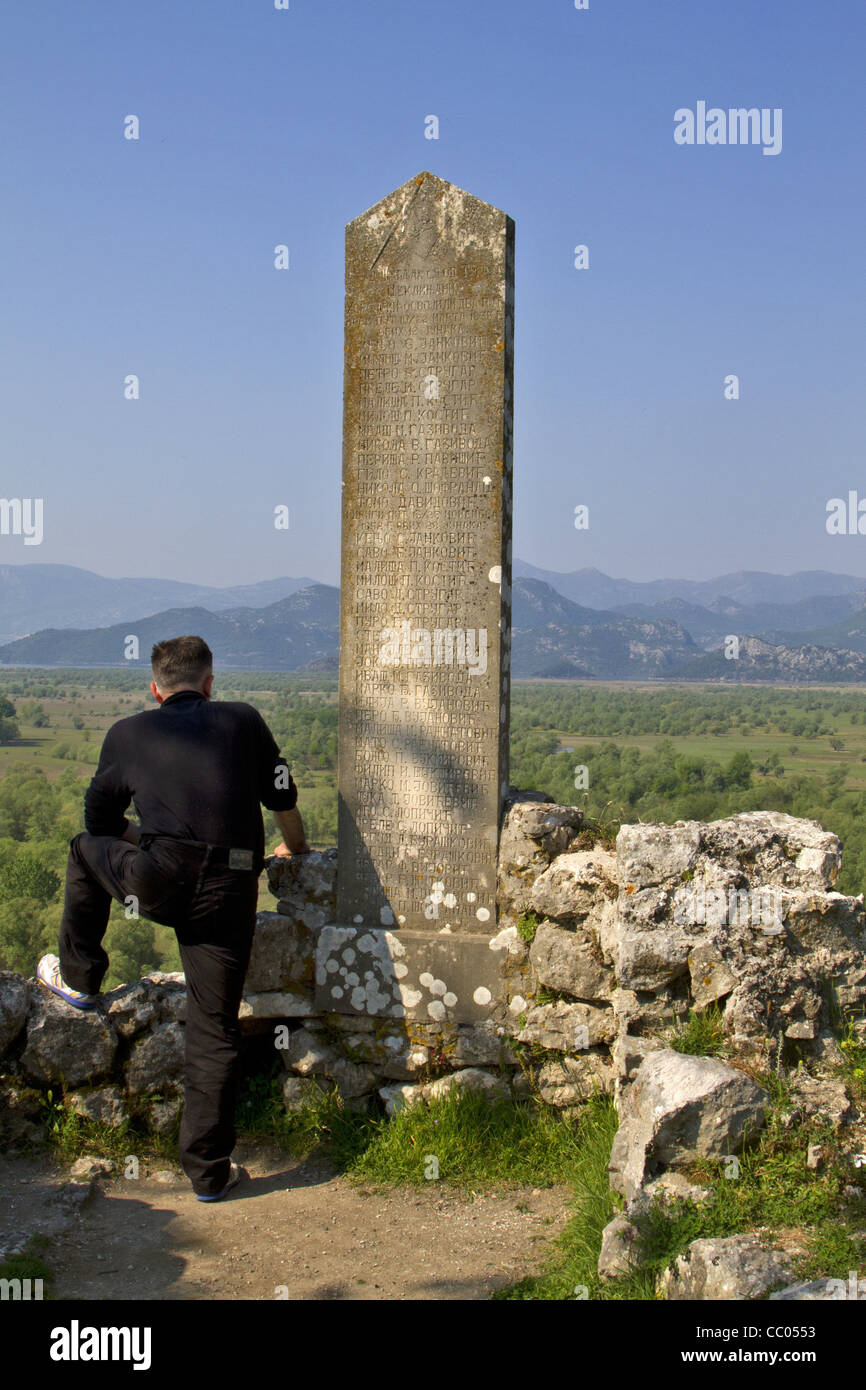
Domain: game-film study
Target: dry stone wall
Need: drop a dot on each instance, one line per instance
(595, 957)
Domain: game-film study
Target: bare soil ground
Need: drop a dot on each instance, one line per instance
(292, 1229)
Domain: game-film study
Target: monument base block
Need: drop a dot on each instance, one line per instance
(433, 977)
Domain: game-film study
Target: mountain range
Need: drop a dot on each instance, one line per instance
(790, 629)
(48, 596)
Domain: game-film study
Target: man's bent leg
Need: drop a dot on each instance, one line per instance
(93, 877)
(214, 986)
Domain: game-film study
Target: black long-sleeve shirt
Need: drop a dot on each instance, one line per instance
(194, 768)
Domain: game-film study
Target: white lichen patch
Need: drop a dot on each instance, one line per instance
(506, 940)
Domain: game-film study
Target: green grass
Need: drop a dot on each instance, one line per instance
(527, 926)
(572, 1266)
(477, 1143)
(702, 1034)
(853, 1069)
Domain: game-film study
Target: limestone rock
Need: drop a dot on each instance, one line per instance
(282, 954)
(470, 1079)
(399, 1095)
(164, 1114)
(678, 1109)
(307, 1053)
(825, 1096)
(300, 1092)
(306, 886)
(21, 1110)
(618, 1253)
(103, 1105)
(66, 1045)
(297, 1003)
(311, 1055)
(736, 1267)
(155, 999)
(156, 1059)
(568, 1027)
(711, 977)
(14, 1003)
(532, 834)
(90, 1166)
(481, 1044)
(575, 886)
(572, 1080)
(649, 855)
(570, 962)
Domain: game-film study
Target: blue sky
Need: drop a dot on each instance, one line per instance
(261, 127)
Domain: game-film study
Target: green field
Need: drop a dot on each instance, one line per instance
(649, 752)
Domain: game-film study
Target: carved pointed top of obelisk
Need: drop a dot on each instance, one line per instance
(427, 217)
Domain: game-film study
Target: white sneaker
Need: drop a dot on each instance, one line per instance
(48, 974)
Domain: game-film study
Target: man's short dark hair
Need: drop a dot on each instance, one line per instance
(181, 661)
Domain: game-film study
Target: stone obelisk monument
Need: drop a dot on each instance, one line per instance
(426, 572)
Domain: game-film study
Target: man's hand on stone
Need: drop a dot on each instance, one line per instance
(283, 851)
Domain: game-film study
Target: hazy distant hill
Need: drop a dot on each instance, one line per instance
(597, 590)
(282, 636)
(552, 638)
(42, 596)
(775, 622)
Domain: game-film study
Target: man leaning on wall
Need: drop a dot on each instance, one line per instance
(198, 772)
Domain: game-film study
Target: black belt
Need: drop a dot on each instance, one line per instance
(241, 859)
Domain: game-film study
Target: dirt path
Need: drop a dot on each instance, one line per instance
(290, 1225)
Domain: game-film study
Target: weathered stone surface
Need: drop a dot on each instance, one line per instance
(568, 1027)
(156, 1059)
(282, 954)
(570, 962)
(680, 1108)
(768, 845)
(649, 1014)
(426, 573)
(668, 1185)
(470, 1079)
(300, 1092)
(736, 1267)
(306, 886)
(14, 1002)
(576, 886)
(824, 1096)
(66, 1045)
(711, 978)
(480, 1044)
(743, 909)
(90, 1166)
(628, 1055)
(164, 1114)
(649, 855)
(410, 974)
(570, 1081)
(618, 1254)
(155, 999)
(399, 1095)
(533, 833)
(104, 1105)
(772, 995)
(310, 1054)
(296, 1003)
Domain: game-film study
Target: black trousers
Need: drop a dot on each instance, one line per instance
(213, 912)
